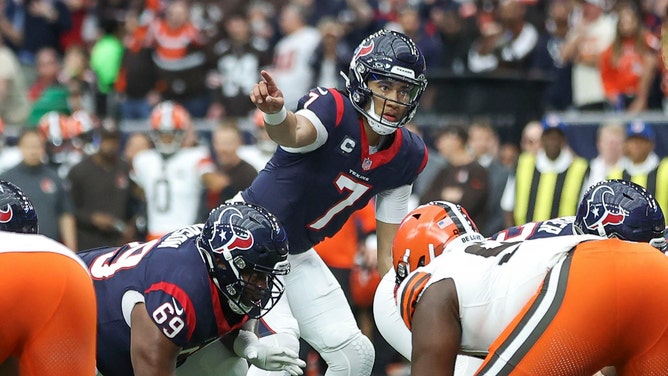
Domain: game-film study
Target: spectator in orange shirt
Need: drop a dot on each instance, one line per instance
(628, 66)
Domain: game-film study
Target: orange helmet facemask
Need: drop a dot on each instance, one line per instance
(426, 231)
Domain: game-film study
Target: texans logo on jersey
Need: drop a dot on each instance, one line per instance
(601, 213)
(231, 237)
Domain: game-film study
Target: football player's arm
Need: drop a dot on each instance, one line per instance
(283, 126)
(151, 352)
(436, 331)
(391, 208)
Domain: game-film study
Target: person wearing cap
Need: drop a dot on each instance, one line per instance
(591, 34)
(644, 166)
(548, 184)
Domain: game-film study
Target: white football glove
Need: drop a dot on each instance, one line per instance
(269, 358)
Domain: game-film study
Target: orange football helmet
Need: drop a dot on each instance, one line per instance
(169, 121)
(54, 127)
(426, 231)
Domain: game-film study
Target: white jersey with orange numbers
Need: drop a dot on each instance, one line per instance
(172, 186)
(494, 280)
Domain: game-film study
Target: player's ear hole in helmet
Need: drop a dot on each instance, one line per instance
(387, 65)
(17, 213)
(617, 208)
(426, 231)
(245, 248)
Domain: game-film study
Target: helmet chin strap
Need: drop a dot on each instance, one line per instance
(375, 121)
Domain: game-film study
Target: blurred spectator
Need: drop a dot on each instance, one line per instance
(457, 30)
(45, 189)
(483, 142)
(261, 15)
(291, 69)
(77, 76)
(12, 18)
(591, 34)
(644, 166)
(47, 93)
(137, 77)
(628, 66)
(180, 58)
(173, 176)
(508, 46)
(332, 55)
(48, 70)
(237, 59)
(547, 58)
(508, 155)
(530, 139)
(463, 180)
(14, 105)
(548, 184)
(105, 60)
(610, 161)
(46, 21)
(100, 188)
(10, 156)
(79, 34)
(236, 173)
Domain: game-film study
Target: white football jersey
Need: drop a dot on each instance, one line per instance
(172, 186)
(494, 280)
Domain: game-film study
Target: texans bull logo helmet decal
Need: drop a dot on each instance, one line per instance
(231, 237)
(599, 212)
(6, 212)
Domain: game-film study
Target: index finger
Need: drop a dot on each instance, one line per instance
(267, 77)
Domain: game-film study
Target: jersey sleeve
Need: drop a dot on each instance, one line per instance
(409, 294)
(325, 104)
(172, 311)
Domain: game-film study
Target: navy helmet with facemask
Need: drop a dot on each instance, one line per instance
(386, 56)
(245, 248)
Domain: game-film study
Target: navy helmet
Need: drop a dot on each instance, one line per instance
(620, 209)
(394, 57)
(17, 214)
(245, 248)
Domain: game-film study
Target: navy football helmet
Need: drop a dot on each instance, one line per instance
(619, 209)
(392, 57)
(245, 248)
(17, 213)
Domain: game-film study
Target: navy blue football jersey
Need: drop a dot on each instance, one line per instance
(170, 277)
(314, 193)
(537, 230)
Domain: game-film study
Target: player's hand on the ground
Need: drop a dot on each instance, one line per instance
(266, 95)
(266, 357)
(275, 358)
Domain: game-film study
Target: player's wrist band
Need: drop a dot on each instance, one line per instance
(276, 118)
